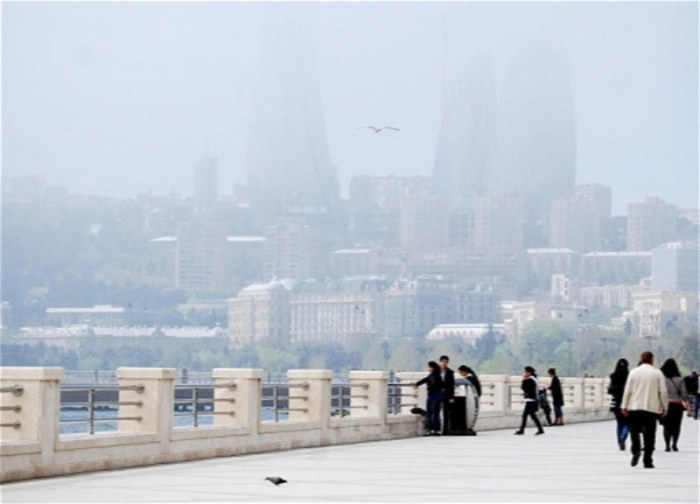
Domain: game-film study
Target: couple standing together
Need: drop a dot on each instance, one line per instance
(441, 391)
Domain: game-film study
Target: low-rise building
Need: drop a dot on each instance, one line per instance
(98, 315)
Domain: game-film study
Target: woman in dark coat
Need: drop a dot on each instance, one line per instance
(434, 383)
(557, 396)
(618, 379)
(678, 398)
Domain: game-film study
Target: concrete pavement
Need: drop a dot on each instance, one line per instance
(574, 463)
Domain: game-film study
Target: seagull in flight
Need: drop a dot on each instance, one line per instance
(276, 480)
(379, 130)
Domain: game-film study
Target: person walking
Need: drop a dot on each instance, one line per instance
(529, 387)
(434, 384)
(691, 385)
(678, 402)
(557, 396)
(448, 390)
(644, 400)
(618, 379)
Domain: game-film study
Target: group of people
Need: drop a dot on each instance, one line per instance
(646, 395)
(639, 399)
(535, 396)
(440, 383)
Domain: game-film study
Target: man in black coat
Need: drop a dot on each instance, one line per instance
(448, 390)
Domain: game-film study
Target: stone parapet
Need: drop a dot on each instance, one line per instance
(31, 446)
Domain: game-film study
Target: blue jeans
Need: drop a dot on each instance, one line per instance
(433, 408)
(696, 406)
(623, 427)
(558, 413)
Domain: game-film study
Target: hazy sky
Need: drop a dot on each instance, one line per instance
(117, 98)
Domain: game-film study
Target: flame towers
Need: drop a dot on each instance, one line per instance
(522, 144)
(288, 161)
(536, 154)
(466, 141)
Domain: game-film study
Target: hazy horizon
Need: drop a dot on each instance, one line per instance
(120, 98)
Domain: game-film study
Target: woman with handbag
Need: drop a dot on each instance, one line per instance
(618, 380)
(677, 404)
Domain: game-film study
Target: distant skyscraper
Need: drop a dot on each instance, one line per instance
(465, 145)
(288, 160)
(536, 136)
(206, 184)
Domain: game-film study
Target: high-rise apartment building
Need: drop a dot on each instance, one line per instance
(674, 267)
(424, 219)
(201, 256)
(650, 223)
(498, 221)
(575, 223)
(292, 250)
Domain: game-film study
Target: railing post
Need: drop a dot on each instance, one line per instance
(312, 402)
(247, 397)
(31, 410)
(368, 394)
(500, 392)
(414, 397)
(157, 399)
(576, 398)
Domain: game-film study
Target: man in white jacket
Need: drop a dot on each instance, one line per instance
(644, 399)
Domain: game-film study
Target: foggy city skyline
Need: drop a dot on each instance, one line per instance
(118, 99)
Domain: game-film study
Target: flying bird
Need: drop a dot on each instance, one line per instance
(276, 480)
(379, 130)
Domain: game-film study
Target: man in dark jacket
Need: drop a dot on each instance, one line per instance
(529, 386)
(557, 396)
(448, 390)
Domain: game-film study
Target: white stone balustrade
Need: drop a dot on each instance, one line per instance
(237, 397)
(368, 393)
(309, 395)
(30, 445)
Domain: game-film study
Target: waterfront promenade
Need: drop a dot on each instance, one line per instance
(574, 463)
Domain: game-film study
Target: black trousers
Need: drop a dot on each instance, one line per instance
(672, 423)
(530, 411)
(643, 422)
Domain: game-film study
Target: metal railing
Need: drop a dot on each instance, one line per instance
(93, 404)
(342, 396)
(276, 397)
(396, 397)
(488, 395)
(201, 401)
(17, 391)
